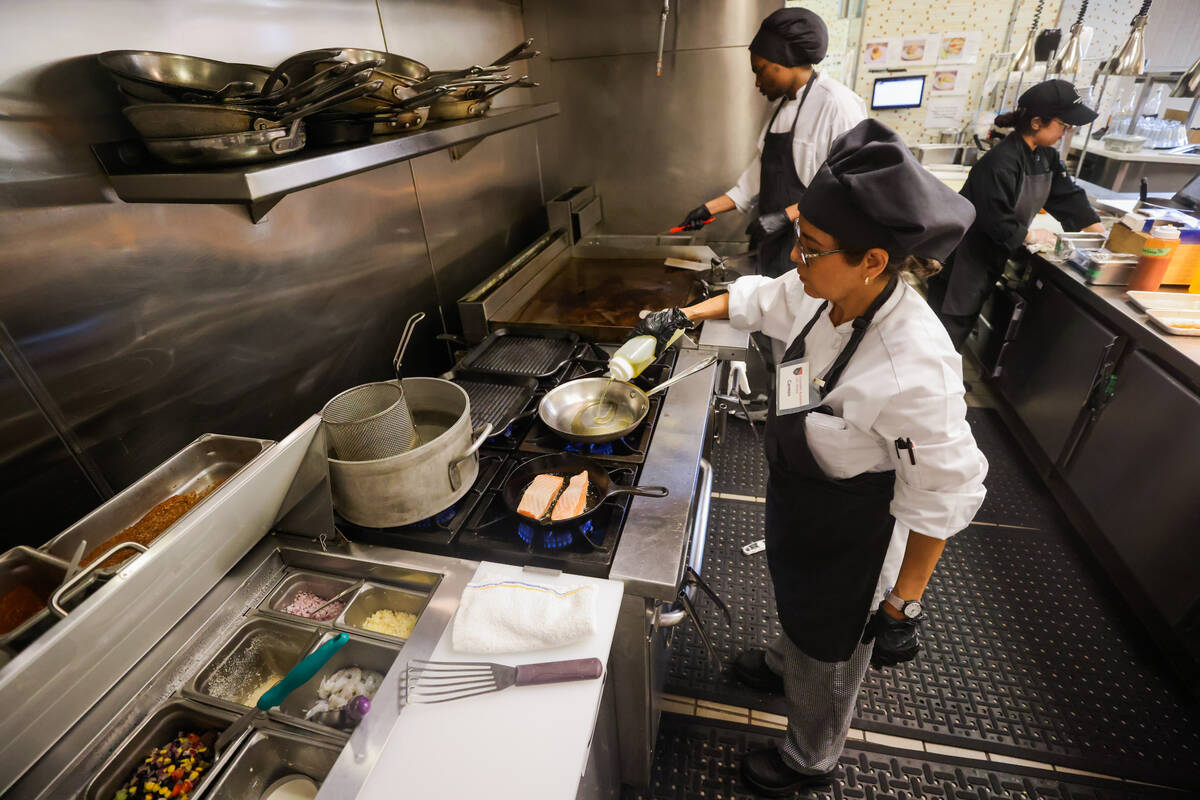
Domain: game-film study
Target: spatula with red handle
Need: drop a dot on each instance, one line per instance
(440, 681)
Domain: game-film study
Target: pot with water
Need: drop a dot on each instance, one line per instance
(413, 485)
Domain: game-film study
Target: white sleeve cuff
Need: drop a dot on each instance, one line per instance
(938, 514)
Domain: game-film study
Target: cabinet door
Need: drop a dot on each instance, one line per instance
(1047, 370)
(1136, 472)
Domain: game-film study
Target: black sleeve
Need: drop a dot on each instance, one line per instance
(993, 192)
(1067, 202)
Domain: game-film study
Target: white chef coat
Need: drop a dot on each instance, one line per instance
(830, 110)
(904, 381)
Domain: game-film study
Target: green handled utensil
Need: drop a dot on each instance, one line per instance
(297, 676)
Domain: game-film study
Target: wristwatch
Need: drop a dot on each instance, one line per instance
(911, 609)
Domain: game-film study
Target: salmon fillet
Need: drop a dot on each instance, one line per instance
(539, 495)
(573, 500)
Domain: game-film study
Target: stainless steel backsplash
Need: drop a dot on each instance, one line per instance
(141, 326)
(654, 147)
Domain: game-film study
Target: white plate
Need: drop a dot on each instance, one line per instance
(1168, 320)
(1165, 301)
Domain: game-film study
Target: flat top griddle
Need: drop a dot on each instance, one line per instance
(600, 297)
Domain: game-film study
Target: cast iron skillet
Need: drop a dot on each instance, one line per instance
(566, 465)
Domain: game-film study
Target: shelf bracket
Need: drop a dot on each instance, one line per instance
(259, 208)
(460, 150)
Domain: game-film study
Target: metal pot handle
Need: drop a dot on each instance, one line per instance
(56, 598)
(483, 433)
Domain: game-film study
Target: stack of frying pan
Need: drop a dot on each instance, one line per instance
(199, 112)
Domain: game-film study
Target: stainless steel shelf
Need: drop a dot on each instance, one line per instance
(138, 178)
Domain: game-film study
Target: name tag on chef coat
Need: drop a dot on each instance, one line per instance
(794, 389)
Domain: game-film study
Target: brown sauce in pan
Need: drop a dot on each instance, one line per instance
(148, 528)
(18, 605)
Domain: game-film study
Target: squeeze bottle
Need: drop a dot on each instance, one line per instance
(635, 355)
(1156, 257)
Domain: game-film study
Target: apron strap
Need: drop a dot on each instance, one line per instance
(803, 96)
(861, 323)
(797, 347)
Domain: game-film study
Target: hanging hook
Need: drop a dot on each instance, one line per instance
(404, 337)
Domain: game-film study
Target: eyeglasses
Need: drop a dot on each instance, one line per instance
(808, 255)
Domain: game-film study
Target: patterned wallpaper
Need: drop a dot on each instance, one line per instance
(901, 17)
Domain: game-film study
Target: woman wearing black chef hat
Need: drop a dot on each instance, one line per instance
(810, 115)
(1008, 186)
(872, 463)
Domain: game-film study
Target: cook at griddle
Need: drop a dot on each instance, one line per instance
(872, 463)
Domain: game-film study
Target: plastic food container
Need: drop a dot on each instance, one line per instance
(1124, 143)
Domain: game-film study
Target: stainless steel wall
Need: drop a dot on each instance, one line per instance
(149, 324)
(655, 147)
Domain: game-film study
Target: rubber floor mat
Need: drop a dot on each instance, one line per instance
(697, 758)
(1023, 654)
(1016, 494)
(739, 461)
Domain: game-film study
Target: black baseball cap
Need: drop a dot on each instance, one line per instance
(1057, 98)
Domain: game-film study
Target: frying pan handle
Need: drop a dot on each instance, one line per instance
(511, 84)
(687, 373)
(338, 97)
(640, 491)
(519, 53)
(279, 74)
(420, 99)
(455, 476)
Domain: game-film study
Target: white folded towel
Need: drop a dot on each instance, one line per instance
(502, 615)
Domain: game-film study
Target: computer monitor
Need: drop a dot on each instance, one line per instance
(903, 92)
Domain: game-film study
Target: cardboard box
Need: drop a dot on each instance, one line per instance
(1123, 240)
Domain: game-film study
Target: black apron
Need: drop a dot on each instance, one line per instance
(973, 272)
(826, 538)
(778, 188)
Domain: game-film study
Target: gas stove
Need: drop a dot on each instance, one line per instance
(480, 527)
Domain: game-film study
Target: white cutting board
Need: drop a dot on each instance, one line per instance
(524, 742)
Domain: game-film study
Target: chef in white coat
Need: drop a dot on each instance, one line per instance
(872, 462)
(813, 110)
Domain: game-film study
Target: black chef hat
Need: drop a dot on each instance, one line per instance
(1057, 98)
(871, 192)
(791, 37)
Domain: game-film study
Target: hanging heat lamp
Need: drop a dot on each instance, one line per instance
(1189, 86)
(1069, 58)
(1130, 60)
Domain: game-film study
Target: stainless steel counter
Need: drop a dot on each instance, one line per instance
(650, 557)
(1181, 353)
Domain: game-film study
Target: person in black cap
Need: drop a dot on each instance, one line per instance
(872, 462)
(1008, 186)
(811, 113)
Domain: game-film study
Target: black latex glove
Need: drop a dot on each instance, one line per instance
(662, 325)
(696, 218)
(769, 224)
(896, 640)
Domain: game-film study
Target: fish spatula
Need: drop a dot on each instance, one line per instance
(440, 681)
